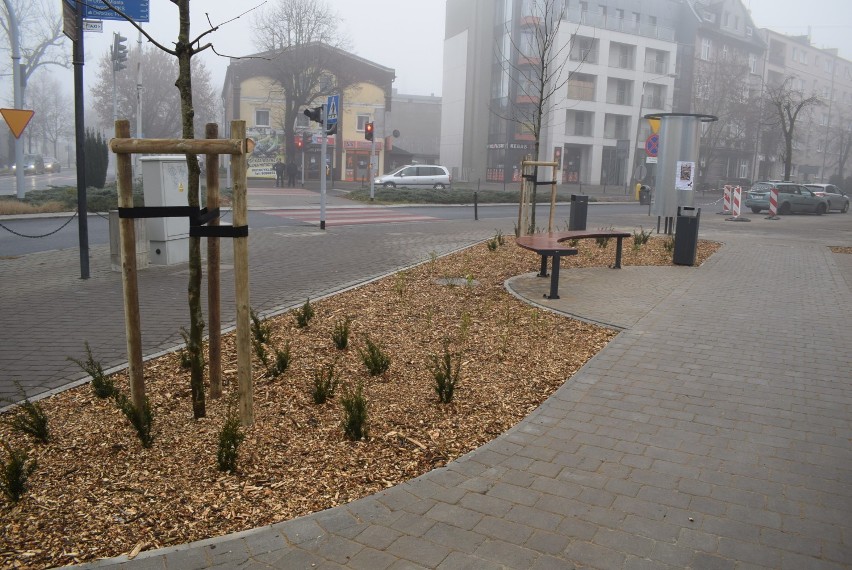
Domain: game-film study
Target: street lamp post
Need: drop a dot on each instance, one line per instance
(634, 162)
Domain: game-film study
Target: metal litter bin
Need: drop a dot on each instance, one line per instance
(577, 215)
(686, 235)
(644, 195)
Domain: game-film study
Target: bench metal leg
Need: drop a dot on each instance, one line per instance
(554, 278)
(618, 253)
(543, 271)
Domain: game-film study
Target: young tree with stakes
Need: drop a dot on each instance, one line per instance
(185, 48)
(537, 65)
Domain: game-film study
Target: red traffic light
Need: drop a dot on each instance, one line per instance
(298, 143)
(368, 131)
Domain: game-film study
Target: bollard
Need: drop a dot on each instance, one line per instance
(773, 205)
(476, 205)
(726, 201)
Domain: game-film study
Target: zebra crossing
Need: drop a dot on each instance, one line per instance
(335, 216)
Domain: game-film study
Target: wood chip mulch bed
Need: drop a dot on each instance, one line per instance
(97, 493)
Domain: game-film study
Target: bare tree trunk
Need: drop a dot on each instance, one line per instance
(196, 316)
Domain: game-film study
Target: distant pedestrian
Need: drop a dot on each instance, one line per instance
(292, 170)
(279, 173)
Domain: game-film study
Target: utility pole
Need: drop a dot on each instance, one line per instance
(138, 95)
(17, 79)
(79, 127)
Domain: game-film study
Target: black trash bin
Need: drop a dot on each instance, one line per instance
(644, 195)
(686, 235)
(577, 215)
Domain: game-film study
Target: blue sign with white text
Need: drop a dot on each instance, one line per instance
(136, 10)
(331, 110)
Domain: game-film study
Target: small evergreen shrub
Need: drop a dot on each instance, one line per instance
(340, 334)
(304, 314)
(602, 242)
(29, 418)
(669, 244)
(355, 414)
(640, 238)
(230, 438)
(15, 472)
(325, 383)
(492, 245)
(282, 360)
(261, 333)
(141, 420)
(102, 385)
(446, 375)
(374, 358)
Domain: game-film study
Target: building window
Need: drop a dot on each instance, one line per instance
(362, 120)
(581, 87)
(736, 22)
(706, 47)
(743, 169)
(724, 52)
(261, 117)
(725, 19)
(752, 63)
(749, 31)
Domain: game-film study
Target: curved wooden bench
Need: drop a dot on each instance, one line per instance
(551, 245)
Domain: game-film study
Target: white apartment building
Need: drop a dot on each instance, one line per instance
(823, 131)
(621, 58)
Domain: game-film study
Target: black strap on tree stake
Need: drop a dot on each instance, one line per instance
(198, 219)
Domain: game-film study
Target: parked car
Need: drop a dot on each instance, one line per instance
(417, 175)
(837, 199)
(33, 164)
(51, 164)
(792, 197)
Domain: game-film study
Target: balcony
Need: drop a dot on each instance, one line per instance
(658, 67)
(574, 14)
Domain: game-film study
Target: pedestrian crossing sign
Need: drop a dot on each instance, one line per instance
(331, 109)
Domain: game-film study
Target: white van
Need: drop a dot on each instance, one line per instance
(417, 175)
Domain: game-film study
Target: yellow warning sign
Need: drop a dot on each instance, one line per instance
(17, 119)
(655, 125)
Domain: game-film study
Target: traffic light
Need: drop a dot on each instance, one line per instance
(307, 138)
(368, 131)
(119, 52)
(299, 143)
(314, 114)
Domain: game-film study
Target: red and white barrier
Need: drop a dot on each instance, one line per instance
(726, 200)
(773, 203)
(738, 192)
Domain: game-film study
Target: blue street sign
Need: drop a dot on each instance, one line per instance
(331, 110)
(136, 10)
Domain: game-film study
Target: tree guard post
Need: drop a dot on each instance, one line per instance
(127, 233)
(241, 278)
(214, 292)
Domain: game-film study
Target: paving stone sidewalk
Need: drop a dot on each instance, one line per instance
(713, 432)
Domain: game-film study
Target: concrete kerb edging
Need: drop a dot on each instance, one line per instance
(507, 284)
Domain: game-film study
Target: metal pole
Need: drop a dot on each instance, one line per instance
(323, 150)
(80, 125)
(114, 97)
(139, 95)
(632, 175)
(372, 157)
(18, 89)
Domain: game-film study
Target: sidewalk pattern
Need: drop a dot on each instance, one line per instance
(714, 432)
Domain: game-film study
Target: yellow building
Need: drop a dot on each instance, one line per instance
(271, 90)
